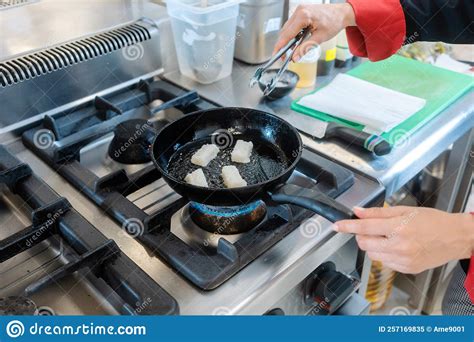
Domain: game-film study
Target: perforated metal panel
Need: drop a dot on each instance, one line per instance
(45, 79)
(7, 4)
(39, 63)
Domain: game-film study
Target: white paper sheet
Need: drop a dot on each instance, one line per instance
(446, 62)
(378, 108)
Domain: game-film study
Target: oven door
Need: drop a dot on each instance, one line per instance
(332, 288)
(326, 291)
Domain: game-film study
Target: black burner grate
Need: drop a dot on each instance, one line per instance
(206, 269)
(53, 215)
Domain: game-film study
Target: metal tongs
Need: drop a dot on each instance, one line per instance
(292, 44)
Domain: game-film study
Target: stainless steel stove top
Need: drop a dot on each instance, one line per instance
(73, 295)
(273, 279)
(254, 290)
(54, 259)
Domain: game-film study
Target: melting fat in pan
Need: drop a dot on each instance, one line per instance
(231, 176)
(197, 178)
(204, 155)
(242, 151)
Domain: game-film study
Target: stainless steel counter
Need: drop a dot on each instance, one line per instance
(393, 170)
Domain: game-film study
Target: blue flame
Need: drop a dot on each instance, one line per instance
(226, 211)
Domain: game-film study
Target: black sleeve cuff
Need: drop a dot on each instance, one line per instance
(439, 20)
(465, 265)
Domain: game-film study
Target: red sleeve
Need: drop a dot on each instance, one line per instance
(469, 282)
(380, 30)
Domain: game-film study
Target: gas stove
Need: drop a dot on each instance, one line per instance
(189, 238)
(154, 252)
(185, 247)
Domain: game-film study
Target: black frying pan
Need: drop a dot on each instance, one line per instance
(277, 150)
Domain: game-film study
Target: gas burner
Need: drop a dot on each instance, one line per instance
(227, 220)
(189, 232)
(17, 306)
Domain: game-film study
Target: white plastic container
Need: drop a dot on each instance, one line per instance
(204, 34)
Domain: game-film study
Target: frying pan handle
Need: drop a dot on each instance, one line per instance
(313, 200)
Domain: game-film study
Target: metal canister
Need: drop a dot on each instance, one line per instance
(258, 27)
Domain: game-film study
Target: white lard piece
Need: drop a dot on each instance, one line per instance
(197, 178)
(242, 152)
(204, 155)
(232, 178)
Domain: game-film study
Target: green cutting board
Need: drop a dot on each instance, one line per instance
(439, 87)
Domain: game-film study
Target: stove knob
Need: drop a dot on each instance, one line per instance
(327, 289)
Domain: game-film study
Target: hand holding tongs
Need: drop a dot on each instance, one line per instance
(292, 44)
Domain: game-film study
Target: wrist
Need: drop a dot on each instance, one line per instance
(348, 14)
(467, 223)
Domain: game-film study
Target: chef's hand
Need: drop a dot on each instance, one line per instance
(411, 239)
(324, 22)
